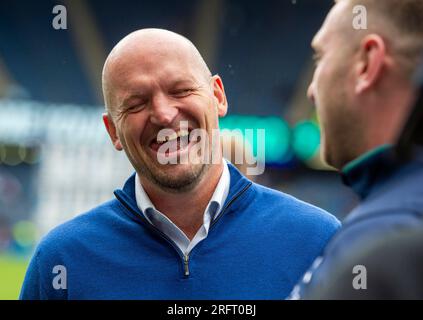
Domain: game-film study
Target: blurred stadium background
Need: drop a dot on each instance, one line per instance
(55, 157)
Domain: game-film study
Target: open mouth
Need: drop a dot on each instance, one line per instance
(175, 142)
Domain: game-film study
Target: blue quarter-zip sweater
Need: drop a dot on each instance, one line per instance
(258, 248)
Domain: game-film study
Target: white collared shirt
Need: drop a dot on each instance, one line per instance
(164, 224)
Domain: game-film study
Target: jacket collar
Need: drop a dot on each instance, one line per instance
(386, 184)
(369, 170)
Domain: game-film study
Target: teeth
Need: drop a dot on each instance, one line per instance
(183, 133)
(161, 139)
(173, 136)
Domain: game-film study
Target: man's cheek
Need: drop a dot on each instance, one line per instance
(129, 127)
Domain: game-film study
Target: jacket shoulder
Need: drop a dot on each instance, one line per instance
(285, 206)
(62, 244)
(79, 228)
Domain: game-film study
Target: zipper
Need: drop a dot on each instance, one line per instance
(229, 203)
(185, 257)
(186, 265)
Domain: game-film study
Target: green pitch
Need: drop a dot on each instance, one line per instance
(12, 272)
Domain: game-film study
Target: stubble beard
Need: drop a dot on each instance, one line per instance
(164, 178)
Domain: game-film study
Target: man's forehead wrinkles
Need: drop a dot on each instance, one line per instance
(142, 86)
(165, 80)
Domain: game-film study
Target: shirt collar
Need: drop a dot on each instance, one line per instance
(369, 170)
(143, 200)
(213, 208)
(221, 192)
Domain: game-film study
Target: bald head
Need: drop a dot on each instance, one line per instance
(149, 47)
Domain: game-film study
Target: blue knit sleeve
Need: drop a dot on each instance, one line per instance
(32, 288)
(39, 279)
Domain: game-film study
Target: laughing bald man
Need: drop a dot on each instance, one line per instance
(186, 230)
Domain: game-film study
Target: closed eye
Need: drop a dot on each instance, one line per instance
(180, 93)
(135, 108)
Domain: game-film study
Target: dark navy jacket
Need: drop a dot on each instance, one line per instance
(391, 200)
(258, 248)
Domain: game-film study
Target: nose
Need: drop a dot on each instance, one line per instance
(162, 111)
(310, 92)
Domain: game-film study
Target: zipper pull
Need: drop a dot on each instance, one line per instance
(186, 266)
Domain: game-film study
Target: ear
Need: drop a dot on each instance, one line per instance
(111, 129)
(372, 59)
(219, 94)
